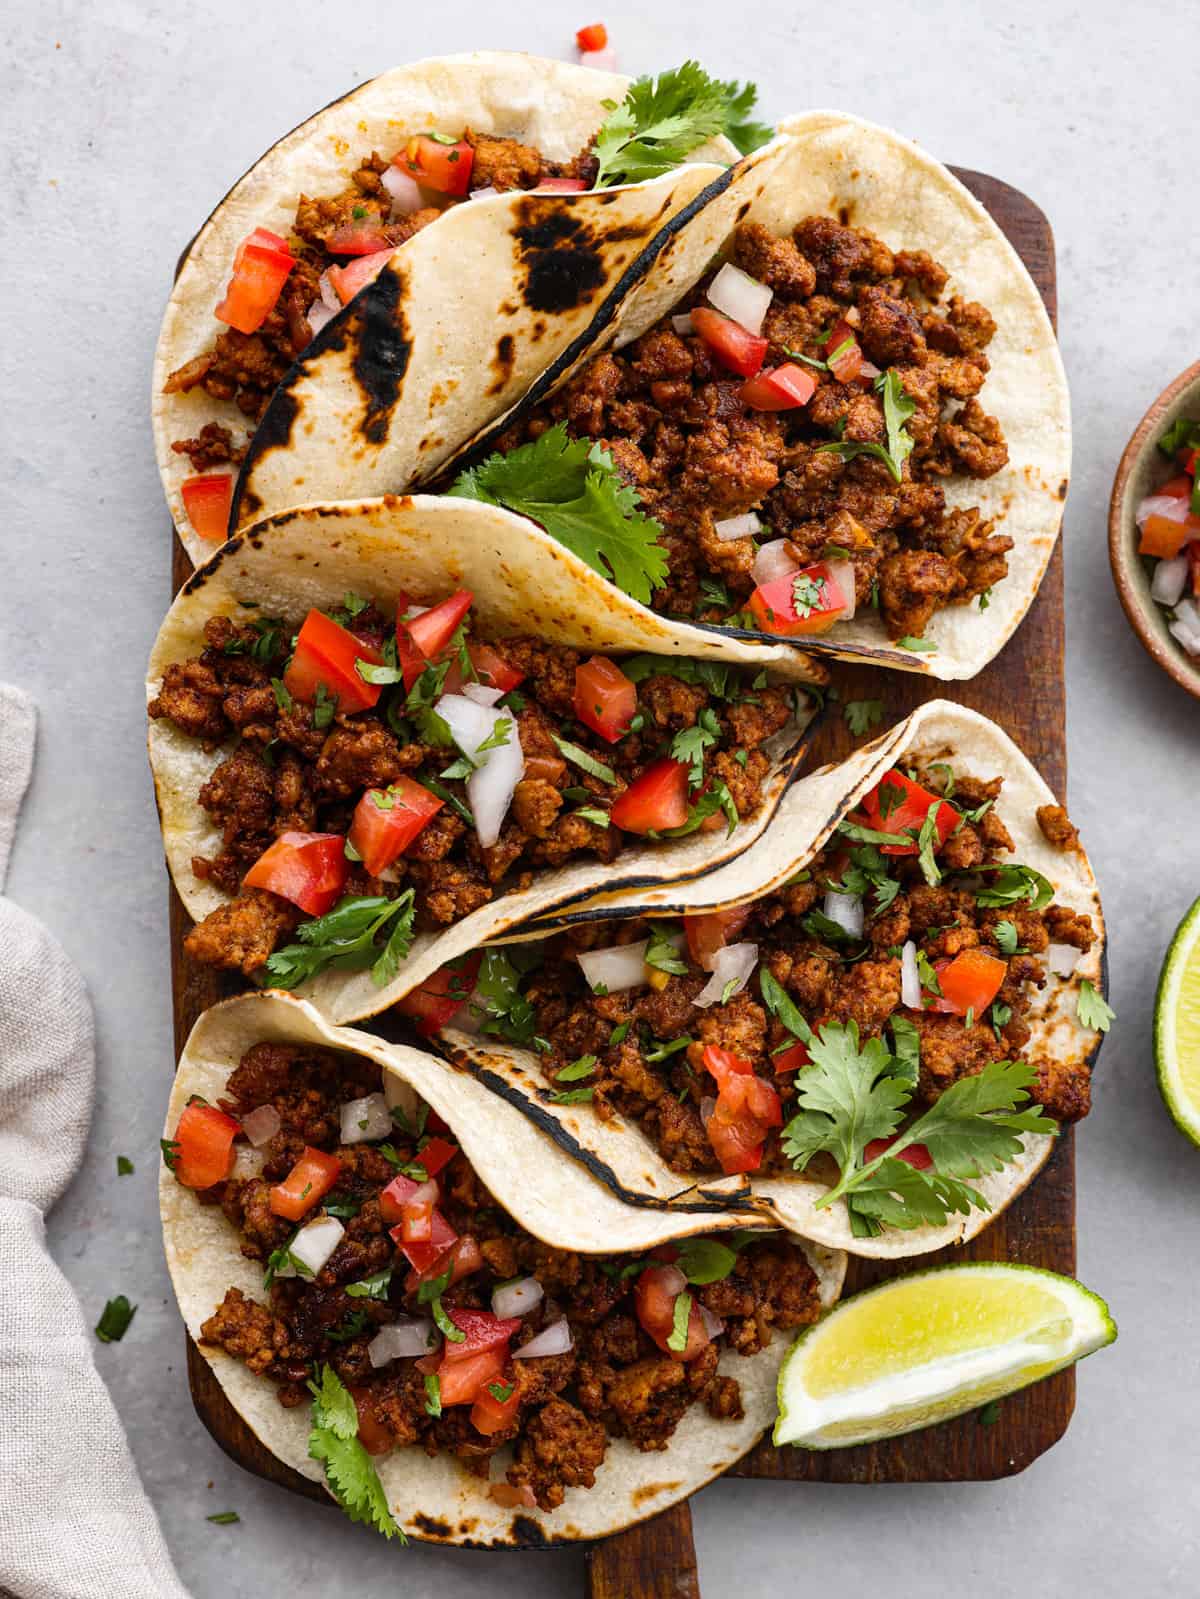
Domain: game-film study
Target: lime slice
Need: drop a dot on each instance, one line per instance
(1177, 1026)
(925, 1347)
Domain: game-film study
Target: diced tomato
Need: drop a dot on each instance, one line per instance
(438, 1152)
(562, 186)
(482, 1330)
(605, 699)
(207, 500)
(416, 1224)
(444, 167)
(351, 280)
(1188, 457)
(423, 639)
(791, 1059)
(708, 933)
(846, 366)
(1193, 555)
(395, 1196)
(916, 1155)
(654, 1302)
(489, 1414)
(783, 388)
(593, 37)
(463, 1258)
(260, 269)
(441, 996)
(656, 800)
(775, 606)
(203, 1145)
(325, 655)
(724, 1064)
(365, 237)
(375, 1438)
(741, 351)
(909, 811)
(461, 1380)
(309, 869)
(1176, 488)
(421, 1256)
(306, 1185)
(491, 669)
(1165, 537)
(970, 982)
(746, 1107)
(387, 820)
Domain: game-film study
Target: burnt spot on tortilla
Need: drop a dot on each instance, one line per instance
(503, 360)
(1062, 489)
(274, 432)
(743, 209)
(844, 215)
(651, 1490)
(562, 256)
(384, 349)
(530, 1534)
(432, 1526)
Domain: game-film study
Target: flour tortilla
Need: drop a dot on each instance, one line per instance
(549, 1195)
(481, 309)
(829, 162)
(622, 1156)
(523, 581)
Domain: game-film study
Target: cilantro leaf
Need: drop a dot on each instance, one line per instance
(704, 1260)
(572, 489)
(506, 1013)
(681, 1314)
(690, 743)
(114, 1320)
(1011, 884)
(374, 1287)
(577, 1070)
(586, 762)
(906, 1049)
(1092, 1008)
(917, 646)
(745, 135)
(847, 1098)
(346, 939)
(898, 407)
(1005, 934)
(349, 1469)
(662, 120)
(862, 715)
(662, 954)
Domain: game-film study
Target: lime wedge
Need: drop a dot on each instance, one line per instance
(1177, 1026)
(925, 1347)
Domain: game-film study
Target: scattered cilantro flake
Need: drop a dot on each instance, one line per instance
(114, 1320)
(170, 1152)
(224, 1518)
(704, 1260)
(323, 707)
(373, 1287)
(1005, 934)
(678, 1336)
(806, 594)
(690, 743)
(124, 1166)
(862, 715)
(573, 1096)
(433, 1394)
(451, 1333)
(581, 758)
(662, 954)
(1092, 1008)
(577, 1070)
(665, 1051)
(918, 646)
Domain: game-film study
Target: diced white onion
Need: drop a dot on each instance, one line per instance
(329, 295)
(842, 573)
(616, 969)
(482, 694)
(403, 191)
(1174, 507)
(553, 1340)
(313, 1245)
(733, 963)
(261, 1125)
(402, 1340)
(602, 60)
(317, 315)
(484, 194)
(910, 977)
(1187, 613)
(713, 1325)
(682, 323)
(1170, 580)
(847, 911)
(516, 1299)
(426, 1193)
(1189, 637)
(738, 527)
(740, 296)
(707, 1105)
(499, 770)
(773, 560)
(868, 371)
(365, 1120)
(1062, 959)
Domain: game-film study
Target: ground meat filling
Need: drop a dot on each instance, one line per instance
(649, 1042)
(296, 768)
(247, 367)
(615, 1381)
(678, 431)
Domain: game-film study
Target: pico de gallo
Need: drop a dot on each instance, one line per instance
(390, 1271)
(1168, 526)
(911, 925)
(390, 773)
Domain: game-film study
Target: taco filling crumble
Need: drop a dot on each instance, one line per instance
(396, 1284)
(790, 428)
(898, 972)
(394, 776)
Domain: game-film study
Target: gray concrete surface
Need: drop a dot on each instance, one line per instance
(123, 122)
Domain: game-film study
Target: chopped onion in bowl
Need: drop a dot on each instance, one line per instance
(1186, 635)
(1187, 613)
(261, 1125)
(738, 527)
(365, 1120)
(1173, 507)
(552, 1340)
(740, 296)
(482, 694)
(713, 1325)
(1169, 580)
(402, 1340)
(403, 190)
(483, 194)
(773, 560)
(313, 1245)
(732, 965)
(620, 967)
(497, 770)
(910, 977)
(1062, 959)
(682, 323)
(317, 315)
(842, 573)
(847, 911)
(516, 1298)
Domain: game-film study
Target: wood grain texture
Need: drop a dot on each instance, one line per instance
(1023, 691)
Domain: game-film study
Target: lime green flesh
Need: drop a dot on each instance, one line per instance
(932, 1345)
(1177, 1027)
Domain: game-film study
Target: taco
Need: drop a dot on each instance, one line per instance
(879, 1015)
(382, 734)
(464, 317)
(851, 422)
(497, 1351)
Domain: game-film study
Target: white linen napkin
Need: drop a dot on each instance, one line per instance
(74, 1520)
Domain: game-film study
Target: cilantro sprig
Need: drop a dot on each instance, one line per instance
(898, 407)
(369, 931)
(349, 1469)
(662, 120)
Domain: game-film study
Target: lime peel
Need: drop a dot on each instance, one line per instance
(1177, 1027)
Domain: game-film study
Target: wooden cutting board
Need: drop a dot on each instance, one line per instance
(1023, 691)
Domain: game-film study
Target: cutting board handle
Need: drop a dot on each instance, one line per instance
(654, 1560)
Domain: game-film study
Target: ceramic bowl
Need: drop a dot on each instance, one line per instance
(1143, 468)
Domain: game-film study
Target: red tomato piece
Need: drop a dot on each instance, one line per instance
(438, 1152)
(724, 1064)
(482, 1330)
(421, 1256)
(422, 640)
(708, 933)
(593, 37)
(489, 1414)
(306, 1185)
(444, 167)
(1176, 488)
(260, 269)
(906, 812)
(461, 1380)
(746, 1107)
(741, 351)
(395, 1196)
(325, 655)
(365, 237)
(791, 1059)
(387, 820)
(351, 280)
(416, 1224)
(1193, 555)
(655, 801)
(491, 669)
(970, 982)
(1188, 458)
(375, 1438)
(777, 610)
(783, 388)
(845, 366)
(203, 1145)
(916, 1155)
(605, 699)
(1165, 537)
(439, 998)
(309, 869)
(207, 501)
(463, 1258)
(654, 1303)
